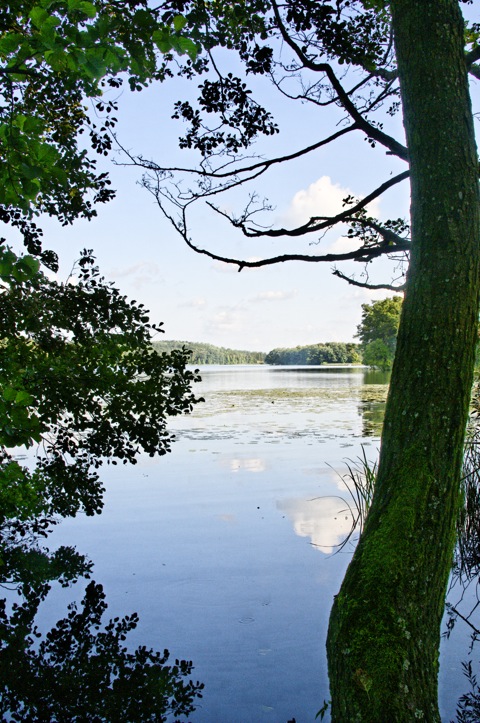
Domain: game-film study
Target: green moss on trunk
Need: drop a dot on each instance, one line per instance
(384, 629)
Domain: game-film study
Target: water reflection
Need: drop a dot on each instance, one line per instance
(325, 520)
(253, 377)
(217, 546)
(371, 409)
(375, 376)
(80, 670)
(252, 464)
(373, 395)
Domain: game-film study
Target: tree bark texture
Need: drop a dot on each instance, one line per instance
(384, 632)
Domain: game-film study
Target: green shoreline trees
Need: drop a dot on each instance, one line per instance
(332, 352)
(378, 331)
(202, 353)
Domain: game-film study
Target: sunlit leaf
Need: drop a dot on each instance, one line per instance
(179, 22)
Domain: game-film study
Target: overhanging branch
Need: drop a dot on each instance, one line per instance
(351, 256)
(396, 148)
(364, 254)
(365, 284)
(220, 173)
(316, 223)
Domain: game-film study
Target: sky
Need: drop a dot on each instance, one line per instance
(198, 299)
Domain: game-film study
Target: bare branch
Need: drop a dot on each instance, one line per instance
(392, 243)
(396, 148)
(318, 223)
(385, 93)
(261, 166)
(365, 284)
(358, 255)
(363, 254)
(314, 89)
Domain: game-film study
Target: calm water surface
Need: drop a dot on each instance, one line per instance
(225, 546)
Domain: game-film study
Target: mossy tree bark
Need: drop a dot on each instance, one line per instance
(384, 629)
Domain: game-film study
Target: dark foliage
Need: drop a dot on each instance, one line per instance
(53, 57)
(81, 670)
(80, 379)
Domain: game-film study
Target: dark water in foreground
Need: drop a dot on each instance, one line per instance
(225, 547)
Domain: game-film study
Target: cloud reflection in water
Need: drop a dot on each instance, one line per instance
(249, 464)
(325, 520)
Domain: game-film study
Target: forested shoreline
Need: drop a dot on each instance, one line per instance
(331, 352)
(313, 354)
(201, 353)
(377, 333)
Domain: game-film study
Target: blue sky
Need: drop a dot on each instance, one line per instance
(201, 300)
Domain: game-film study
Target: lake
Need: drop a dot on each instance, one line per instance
(228, 547)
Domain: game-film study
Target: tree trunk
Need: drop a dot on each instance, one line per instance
(384, 632)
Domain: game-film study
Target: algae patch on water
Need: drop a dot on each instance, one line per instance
(285, 401)
(276, 415)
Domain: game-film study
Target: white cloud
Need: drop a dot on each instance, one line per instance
(198, 303)
(365, 296)
(274, 295)
(321, 198)
(228, 518)
(253, 464)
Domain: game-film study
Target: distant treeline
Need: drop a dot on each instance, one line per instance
(332, 352)
(209, 354)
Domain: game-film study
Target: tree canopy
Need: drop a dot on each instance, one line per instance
(378, 331)
(332, 352)
(57, 59)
